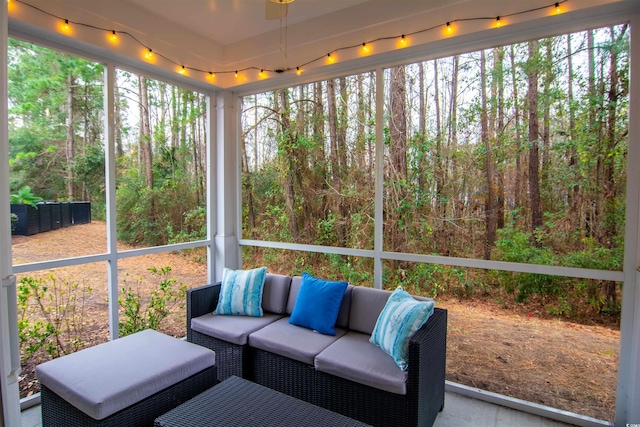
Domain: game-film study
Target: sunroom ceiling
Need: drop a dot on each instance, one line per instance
(222, 36)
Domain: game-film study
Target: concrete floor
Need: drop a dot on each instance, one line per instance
(459, 411)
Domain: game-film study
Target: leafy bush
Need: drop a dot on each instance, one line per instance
(516, 246)
(25, 196)
(50, 316)
(136, 316)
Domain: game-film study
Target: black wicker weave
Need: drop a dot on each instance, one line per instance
(231, 359)
(237, 402)
(425, 385)
(57, 412)
(418, 407)
(285, 375)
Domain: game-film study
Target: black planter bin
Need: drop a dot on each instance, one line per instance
(28, 222)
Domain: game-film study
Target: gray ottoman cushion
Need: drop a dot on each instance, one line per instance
(109, 377)
(354, 358)
(233, 329)
(292, 341)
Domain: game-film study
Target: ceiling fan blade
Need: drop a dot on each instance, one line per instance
(275, 10)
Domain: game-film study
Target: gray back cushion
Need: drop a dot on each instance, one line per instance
(276, 292)
(343, 315)
(366, 305)
(296, 281)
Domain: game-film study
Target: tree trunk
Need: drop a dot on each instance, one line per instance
(489, 203)
(573, 192)
(145, 132)
(289, 163)
(534, 158)
(518, 186)
(71, 83)
(398, 150)
(498, 76)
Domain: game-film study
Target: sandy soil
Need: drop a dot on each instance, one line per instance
(509, 351)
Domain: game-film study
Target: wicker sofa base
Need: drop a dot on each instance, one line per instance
(418, 407)
(57, 412)
(285, 375)
(231, 359)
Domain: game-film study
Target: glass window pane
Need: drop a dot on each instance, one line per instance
(56, 153)
(505, 337)
(308, 163)
(161, 156)
(516, 153)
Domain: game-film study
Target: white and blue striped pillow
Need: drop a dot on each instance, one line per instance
(400, 318)
(241, 292)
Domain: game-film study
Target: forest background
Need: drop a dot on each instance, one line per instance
(516, 153)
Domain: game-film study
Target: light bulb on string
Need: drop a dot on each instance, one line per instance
(182, 70)
(365, 48)
(498, 22)
(403, 41)
(298, 71)
(65, 27)
(557, 8)
(236, 74)
(330, 58)
(113, 37)
(149, 54)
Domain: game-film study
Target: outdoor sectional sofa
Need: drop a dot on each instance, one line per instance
(344, 373)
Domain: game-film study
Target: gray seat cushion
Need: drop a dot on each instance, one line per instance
(233, 329)
(354, 358)
(109, 377)
(292, 341)
(275, 293)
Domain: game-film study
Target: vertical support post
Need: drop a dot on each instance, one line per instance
(212, 183)
(226, 241)
(628, 392)
(110, 183)
(378, 244)
(9, 348)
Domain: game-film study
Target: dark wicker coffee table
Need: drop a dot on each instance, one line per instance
(238, 402)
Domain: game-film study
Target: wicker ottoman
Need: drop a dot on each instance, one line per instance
(126, 382)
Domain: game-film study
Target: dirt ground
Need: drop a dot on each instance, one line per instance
(512, 351)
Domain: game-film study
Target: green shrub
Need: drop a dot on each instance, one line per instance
(137, 313)
(50, 316)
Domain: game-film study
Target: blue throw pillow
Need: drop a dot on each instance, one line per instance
(241, 292)
(317, 304)
(400, 318)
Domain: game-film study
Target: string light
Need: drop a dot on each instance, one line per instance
(65, 27)
(112, 36)
(261, 74)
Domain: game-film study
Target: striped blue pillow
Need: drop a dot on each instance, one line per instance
(400, 318)
(241, 292)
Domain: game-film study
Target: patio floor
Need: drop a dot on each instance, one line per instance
(459, 411)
